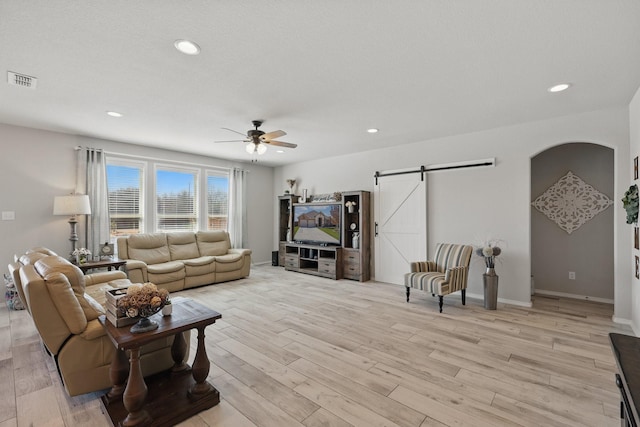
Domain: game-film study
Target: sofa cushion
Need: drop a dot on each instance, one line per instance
(66, 302)
(31, 258)
(199, 266)
(230, 262)
(166, 267)
(213, 242)
(182, 245)
(75, 277)
(150, 248)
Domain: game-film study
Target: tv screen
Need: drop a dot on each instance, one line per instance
(317, 223)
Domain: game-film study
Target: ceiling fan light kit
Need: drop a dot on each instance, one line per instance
(256, 148)
(257, 140)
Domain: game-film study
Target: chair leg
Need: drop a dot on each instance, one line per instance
(464, 294)
(408, 291)
(440, 298)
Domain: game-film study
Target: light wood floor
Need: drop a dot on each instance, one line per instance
(296, 350)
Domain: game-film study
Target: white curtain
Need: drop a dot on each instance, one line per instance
(91, 179)
(238, 208)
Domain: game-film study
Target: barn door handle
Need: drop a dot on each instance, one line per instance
(376, 230)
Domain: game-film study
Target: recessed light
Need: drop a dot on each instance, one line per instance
(559, 87)
(187, 47)
(372, 130)
(280, 151)
(114, 114)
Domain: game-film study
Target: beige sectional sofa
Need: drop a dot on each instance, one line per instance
(58, 297)
(183, 260)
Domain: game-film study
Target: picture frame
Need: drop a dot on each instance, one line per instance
(106, 250)
(637, 267)
(635, 168)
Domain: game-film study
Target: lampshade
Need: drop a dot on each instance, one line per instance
(250, 148)
(74, 204)
(262, 148)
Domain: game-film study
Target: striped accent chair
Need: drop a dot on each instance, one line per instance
(448, 272)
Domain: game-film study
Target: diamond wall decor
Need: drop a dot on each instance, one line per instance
(571, 202)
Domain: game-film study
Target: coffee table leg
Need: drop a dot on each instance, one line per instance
(118, 372)
(178, 351)
(200, 369)
(135, 394)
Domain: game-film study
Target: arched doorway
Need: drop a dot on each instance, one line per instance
(573, 257)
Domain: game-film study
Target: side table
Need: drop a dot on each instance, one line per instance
(103, 263)
(169, 397)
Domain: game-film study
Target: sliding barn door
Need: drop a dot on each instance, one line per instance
(400, 213)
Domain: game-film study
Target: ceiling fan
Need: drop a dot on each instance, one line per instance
(258, 140)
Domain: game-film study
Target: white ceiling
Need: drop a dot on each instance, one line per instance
(323, 71)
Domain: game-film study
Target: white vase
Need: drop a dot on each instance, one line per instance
(167, 310)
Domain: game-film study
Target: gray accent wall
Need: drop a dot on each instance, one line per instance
(587, 251)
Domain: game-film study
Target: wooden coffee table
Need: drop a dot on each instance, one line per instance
(108, 263)
(169, 397)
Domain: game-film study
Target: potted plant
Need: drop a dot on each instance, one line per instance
(167, 309)
(489, 251)
(630, 203)
(350, 205)
(81, 255)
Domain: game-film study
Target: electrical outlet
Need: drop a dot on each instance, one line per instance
(572, 275)
(8, 215)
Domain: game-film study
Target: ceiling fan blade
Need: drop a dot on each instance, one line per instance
(271, 135)
(234, 140)
(239, 133)
(281, 144)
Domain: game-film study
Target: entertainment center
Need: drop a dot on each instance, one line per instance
(329, 238)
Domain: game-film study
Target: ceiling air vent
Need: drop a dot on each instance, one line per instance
(22, 80)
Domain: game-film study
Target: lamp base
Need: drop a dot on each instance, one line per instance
(73, 238)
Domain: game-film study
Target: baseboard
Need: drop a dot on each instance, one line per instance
(574, 296)
(627, 322)
(502, 300)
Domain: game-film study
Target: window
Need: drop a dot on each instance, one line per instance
(126, 196)
(217, 200)
(179, 196)
(176, 199)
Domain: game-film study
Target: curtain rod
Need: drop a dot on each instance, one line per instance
(157, 159)
(433, 168)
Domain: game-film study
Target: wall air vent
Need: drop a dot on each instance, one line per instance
(22, 80)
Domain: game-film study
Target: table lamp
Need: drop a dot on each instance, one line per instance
(73, 204)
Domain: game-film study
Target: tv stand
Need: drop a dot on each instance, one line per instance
(325, 261)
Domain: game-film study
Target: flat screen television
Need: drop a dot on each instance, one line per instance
(317, 223)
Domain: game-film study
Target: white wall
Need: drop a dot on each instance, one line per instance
(470, 205)
(629, 252)
(36, 166)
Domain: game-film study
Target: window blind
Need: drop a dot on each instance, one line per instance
(217, 201)
(176, 200)
(125, 188)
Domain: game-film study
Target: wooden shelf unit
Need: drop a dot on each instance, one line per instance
(356, 260)
(325, 261)
(351, 262)
(285, 222)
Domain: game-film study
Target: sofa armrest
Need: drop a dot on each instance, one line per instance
(93, 330)
(137, 271)
(240, 251)
(103, 277)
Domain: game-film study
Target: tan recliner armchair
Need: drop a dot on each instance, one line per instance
(65, 316)
(447, 273)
